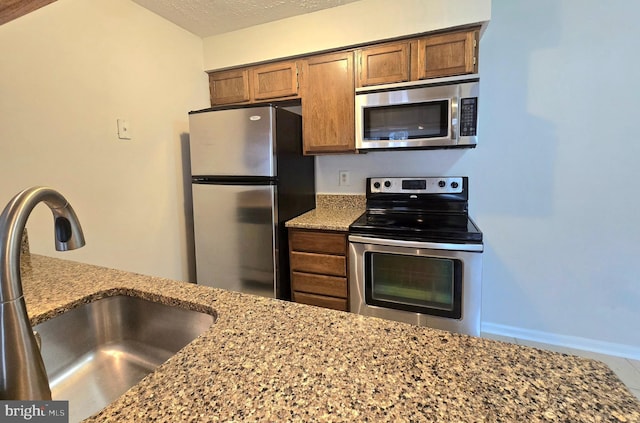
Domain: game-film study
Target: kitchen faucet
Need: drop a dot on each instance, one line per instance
(24, 376)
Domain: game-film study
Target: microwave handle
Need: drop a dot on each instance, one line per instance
(453, 122)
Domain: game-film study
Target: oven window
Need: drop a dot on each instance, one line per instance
(420, 284)
(407, 121)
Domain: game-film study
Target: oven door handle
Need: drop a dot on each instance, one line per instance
(476, 248)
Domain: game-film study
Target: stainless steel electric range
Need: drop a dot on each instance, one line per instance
(416, 255)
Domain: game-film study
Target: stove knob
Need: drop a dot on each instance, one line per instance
(387, 184)
(376, 185)
(454, 185)
(442, 184)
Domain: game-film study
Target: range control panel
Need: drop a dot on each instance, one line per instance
(429, 185)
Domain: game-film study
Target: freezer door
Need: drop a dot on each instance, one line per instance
(235, 237)
(232, 142)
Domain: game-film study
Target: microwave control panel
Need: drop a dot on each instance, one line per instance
(468, 116)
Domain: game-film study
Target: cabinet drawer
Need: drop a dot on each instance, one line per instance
(319, 284)
(318, 242)
(321, 301)
(319, 263)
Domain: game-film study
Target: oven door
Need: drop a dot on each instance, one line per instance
(428, 284)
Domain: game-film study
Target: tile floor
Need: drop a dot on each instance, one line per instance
(627, 370)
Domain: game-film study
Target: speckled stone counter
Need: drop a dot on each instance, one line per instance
(270, 360)
(333, 212)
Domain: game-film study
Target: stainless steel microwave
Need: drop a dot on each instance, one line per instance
(441, 112)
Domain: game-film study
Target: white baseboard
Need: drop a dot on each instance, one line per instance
(602, 347)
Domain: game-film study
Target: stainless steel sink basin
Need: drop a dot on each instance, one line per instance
(97, 351)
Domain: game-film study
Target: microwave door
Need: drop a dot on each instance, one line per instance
(414, 124)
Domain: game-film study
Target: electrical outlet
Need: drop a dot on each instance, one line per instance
(344, 178)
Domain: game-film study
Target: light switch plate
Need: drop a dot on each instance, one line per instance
(124, 133)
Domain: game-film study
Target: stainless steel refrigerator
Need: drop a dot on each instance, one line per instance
(248, 178)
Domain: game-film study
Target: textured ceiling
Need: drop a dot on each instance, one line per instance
(211, 17)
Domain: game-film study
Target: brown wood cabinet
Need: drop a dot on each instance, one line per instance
(229, 87)
(278, 80)
(432, 56)
(318, 261)
(327, 91)
(383, 64)
(275, 81)
(447, 54)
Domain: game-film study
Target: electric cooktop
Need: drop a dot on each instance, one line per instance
(432, 209)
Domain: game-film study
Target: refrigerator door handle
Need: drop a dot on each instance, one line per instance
(234, 180)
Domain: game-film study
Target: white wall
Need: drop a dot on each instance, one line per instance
(67, 72)
(553, 178)
(349, 24)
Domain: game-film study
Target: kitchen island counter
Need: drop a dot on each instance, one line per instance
(270, 360)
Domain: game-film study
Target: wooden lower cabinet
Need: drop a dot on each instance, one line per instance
(318, 261)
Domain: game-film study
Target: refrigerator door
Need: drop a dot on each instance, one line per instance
(235, 237)
(233, 142)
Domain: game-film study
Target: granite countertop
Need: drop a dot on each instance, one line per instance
(271, 360)
(333, 212)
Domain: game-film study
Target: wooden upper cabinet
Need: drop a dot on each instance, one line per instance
(274, 81)
(228, 87)
(384, 64)
(447, 54)
(327, 91)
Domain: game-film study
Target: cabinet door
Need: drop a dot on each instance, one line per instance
(383, 64)
(328, 102)
(229, 87)
(274, 81)
(447, 54)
